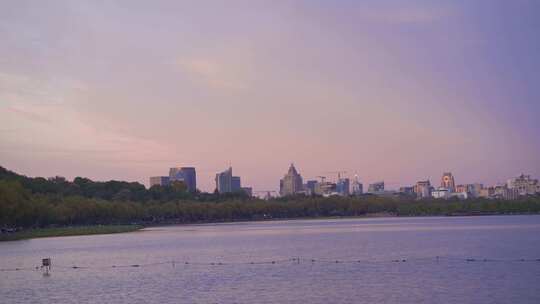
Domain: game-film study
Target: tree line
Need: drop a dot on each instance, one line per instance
(38, 202)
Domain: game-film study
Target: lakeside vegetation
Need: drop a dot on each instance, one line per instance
(67, 231)
(30, 203)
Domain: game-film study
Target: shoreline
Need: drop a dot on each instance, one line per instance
(112, 229)
(28, 234)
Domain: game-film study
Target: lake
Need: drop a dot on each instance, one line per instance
(367, 260)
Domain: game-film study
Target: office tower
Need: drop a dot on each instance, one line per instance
(190, 178)
(343, 186)
(423, 189)
(447, 182)
(224, 181)
(159, 181)
(325, 188)
(235, 184)
(309, 187)
(376, 187)
(357, 187)
(186, 175)
(291, 182)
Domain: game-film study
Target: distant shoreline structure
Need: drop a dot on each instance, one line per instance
(292, 183)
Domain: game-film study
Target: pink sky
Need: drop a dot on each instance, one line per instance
(394, 91)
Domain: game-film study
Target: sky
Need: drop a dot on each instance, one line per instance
(398, 91)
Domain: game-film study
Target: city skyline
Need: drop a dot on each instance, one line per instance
(293, 183)
(394, 91)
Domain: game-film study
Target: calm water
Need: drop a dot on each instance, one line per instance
(376, 279)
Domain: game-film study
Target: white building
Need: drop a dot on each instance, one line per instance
(441, 193)
(357, 187)
(524, 184)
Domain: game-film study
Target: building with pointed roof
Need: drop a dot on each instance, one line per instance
(291, 183)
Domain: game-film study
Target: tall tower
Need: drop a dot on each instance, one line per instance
(187, 175)
(291, 183)
(423, 189)
(224, 181)
(447, 182)
(357, 187)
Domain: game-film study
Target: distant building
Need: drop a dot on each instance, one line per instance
(224, 181)
(407, 191)
(309, 187)
(441, 192)
(524, 185)
(343, 186)
(248, 191)
(461, 189)
(326, 188)
(472, 190)
(447, 182)
(357, 187)
(487, 192)
(460, 195)
(186, 175)
(291, 183)
(423, 189)
(505, 193)
(376, 187)
(159, 181)
(236, 185)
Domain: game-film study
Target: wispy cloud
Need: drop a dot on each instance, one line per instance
(215, 73)
(49, 119)
(18, 88)
(28, 114)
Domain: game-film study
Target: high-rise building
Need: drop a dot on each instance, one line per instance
(309, 187)
(357, 187)
(447, 182)
(186, 175)
(503, 192)
(325, 188)
(524, 184)
(235, 184)
(376, 187)
(291, 183)
(423, 189)
(159, 181)
(224, 181)
(343, 186)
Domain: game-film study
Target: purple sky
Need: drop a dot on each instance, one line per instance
(393, 90)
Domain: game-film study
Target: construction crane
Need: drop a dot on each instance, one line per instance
(336, 172)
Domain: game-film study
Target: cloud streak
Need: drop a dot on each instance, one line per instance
(219, 74)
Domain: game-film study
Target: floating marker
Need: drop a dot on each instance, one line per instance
(46, 264)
